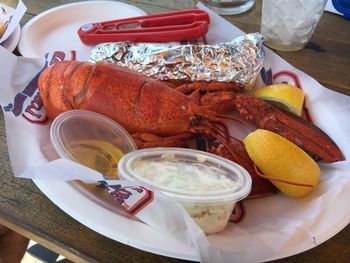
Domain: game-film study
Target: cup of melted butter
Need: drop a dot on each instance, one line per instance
(91, 139)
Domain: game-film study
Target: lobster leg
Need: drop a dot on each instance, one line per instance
(147, 140)
(301, 132)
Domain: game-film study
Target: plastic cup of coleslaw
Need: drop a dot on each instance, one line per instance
(207, 185)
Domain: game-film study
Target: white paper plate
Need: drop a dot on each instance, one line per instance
(56, 29)
(86, 205)
(11, 43)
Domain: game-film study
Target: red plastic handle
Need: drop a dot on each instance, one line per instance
(171, 18)
(165, 27)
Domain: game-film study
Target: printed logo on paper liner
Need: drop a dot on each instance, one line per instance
(132, 198)
(282, 76)
(27, 103)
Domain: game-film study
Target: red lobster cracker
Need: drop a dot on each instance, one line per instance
(165, 27)
(157, 115)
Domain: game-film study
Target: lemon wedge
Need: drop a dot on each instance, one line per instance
(281, 159)
(284, 96)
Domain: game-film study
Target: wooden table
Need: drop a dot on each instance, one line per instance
(26, 210)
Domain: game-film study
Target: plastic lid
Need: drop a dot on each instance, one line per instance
(187, 175)
(91, 139)
(342, 6)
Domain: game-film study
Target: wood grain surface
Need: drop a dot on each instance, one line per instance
(26, 210)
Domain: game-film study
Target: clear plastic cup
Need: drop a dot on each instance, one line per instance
(229, 7)
(91, 139)
(288, 25)
(208, 186)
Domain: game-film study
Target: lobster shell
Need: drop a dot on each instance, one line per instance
(137, 102)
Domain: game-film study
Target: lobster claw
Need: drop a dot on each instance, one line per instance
(301, 132)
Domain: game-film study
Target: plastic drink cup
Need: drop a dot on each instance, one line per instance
(229, 7)
(288, 25)
(208, 186)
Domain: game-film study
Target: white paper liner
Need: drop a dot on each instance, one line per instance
(272, 226)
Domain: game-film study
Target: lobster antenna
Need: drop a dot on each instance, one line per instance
(212, 128)
(84, 88)
(222, 136)
(258, 172)
(224, 131)
(237, 119)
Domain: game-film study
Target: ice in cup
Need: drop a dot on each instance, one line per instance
(288, 25)
(91, 139)
(208, 186)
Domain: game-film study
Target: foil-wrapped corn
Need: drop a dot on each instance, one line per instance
(238, 61)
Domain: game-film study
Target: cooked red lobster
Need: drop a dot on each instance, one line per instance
(158, 115)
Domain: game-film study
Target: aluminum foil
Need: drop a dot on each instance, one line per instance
(238, 61)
